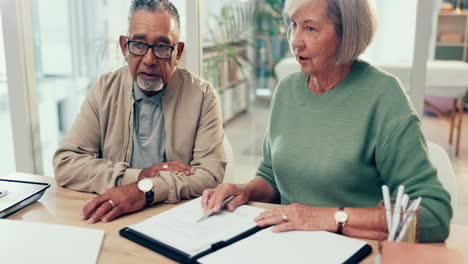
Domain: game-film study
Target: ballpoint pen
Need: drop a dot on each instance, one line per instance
(396, 213)
(210, 212)
(388, 206)
(410, 208)
(412, 211)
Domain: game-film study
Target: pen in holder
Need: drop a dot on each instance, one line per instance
(407, 229)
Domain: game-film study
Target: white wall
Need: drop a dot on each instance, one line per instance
(402, 45)
(394, 39)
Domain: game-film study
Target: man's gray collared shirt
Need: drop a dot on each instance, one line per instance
(149, 137)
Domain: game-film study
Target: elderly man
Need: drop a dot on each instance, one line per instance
(148, 132)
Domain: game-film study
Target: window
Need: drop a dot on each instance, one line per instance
(75, 43)
(6, 140)
(227, 32)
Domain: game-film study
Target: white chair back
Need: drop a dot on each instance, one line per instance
(286, 66)
(229, 172)
(445, 173)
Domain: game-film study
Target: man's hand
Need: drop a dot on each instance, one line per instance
(172, 166)
(113, 203)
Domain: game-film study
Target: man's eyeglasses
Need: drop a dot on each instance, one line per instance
(160, 51)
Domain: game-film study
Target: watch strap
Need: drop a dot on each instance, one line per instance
(340, 224)
(149, 197)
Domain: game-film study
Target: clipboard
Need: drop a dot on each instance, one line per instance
(174, 253)
(165, 234)
(20, 194)
(300, 247)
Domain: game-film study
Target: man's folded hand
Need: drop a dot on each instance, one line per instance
(172, 166)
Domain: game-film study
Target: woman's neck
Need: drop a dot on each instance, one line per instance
(327, 79)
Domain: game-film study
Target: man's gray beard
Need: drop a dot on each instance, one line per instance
(150, 85)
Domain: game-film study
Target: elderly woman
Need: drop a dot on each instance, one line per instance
(339, 130)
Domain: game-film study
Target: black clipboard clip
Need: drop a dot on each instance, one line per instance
(218, 245)
(3, 192)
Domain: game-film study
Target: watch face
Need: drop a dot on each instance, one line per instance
(145, 185)
(341, 216)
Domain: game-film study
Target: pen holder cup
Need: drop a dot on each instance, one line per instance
(412, 229)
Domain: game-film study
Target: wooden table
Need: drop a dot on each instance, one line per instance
(63, 206)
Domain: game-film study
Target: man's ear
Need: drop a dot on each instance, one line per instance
(123, 45)
(180, 50)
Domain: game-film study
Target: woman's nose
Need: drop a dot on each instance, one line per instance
(297, 42)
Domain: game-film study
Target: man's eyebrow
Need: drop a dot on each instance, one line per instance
(138, 37)
(164, 40)
(161, 39)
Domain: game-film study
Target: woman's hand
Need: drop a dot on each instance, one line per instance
(368, 223)
(298, 217)
(213, 198)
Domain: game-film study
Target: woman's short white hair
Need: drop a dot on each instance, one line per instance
(354, 21)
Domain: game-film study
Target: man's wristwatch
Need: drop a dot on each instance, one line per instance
(146, 186)
(341, 218)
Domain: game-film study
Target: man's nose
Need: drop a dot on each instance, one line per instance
(149, 58)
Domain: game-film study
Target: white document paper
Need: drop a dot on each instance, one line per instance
(26, 242)
(287, 247)
(179, 228)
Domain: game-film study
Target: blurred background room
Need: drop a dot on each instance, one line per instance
(52, 51)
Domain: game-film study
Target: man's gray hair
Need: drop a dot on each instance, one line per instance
(154, 6)
(355, 24)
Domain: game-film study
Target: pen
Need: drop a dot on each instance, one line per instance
(404, 202)
(210, 212)
(388, 209)
(396, 213)
(409, 217)
(411, 207)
